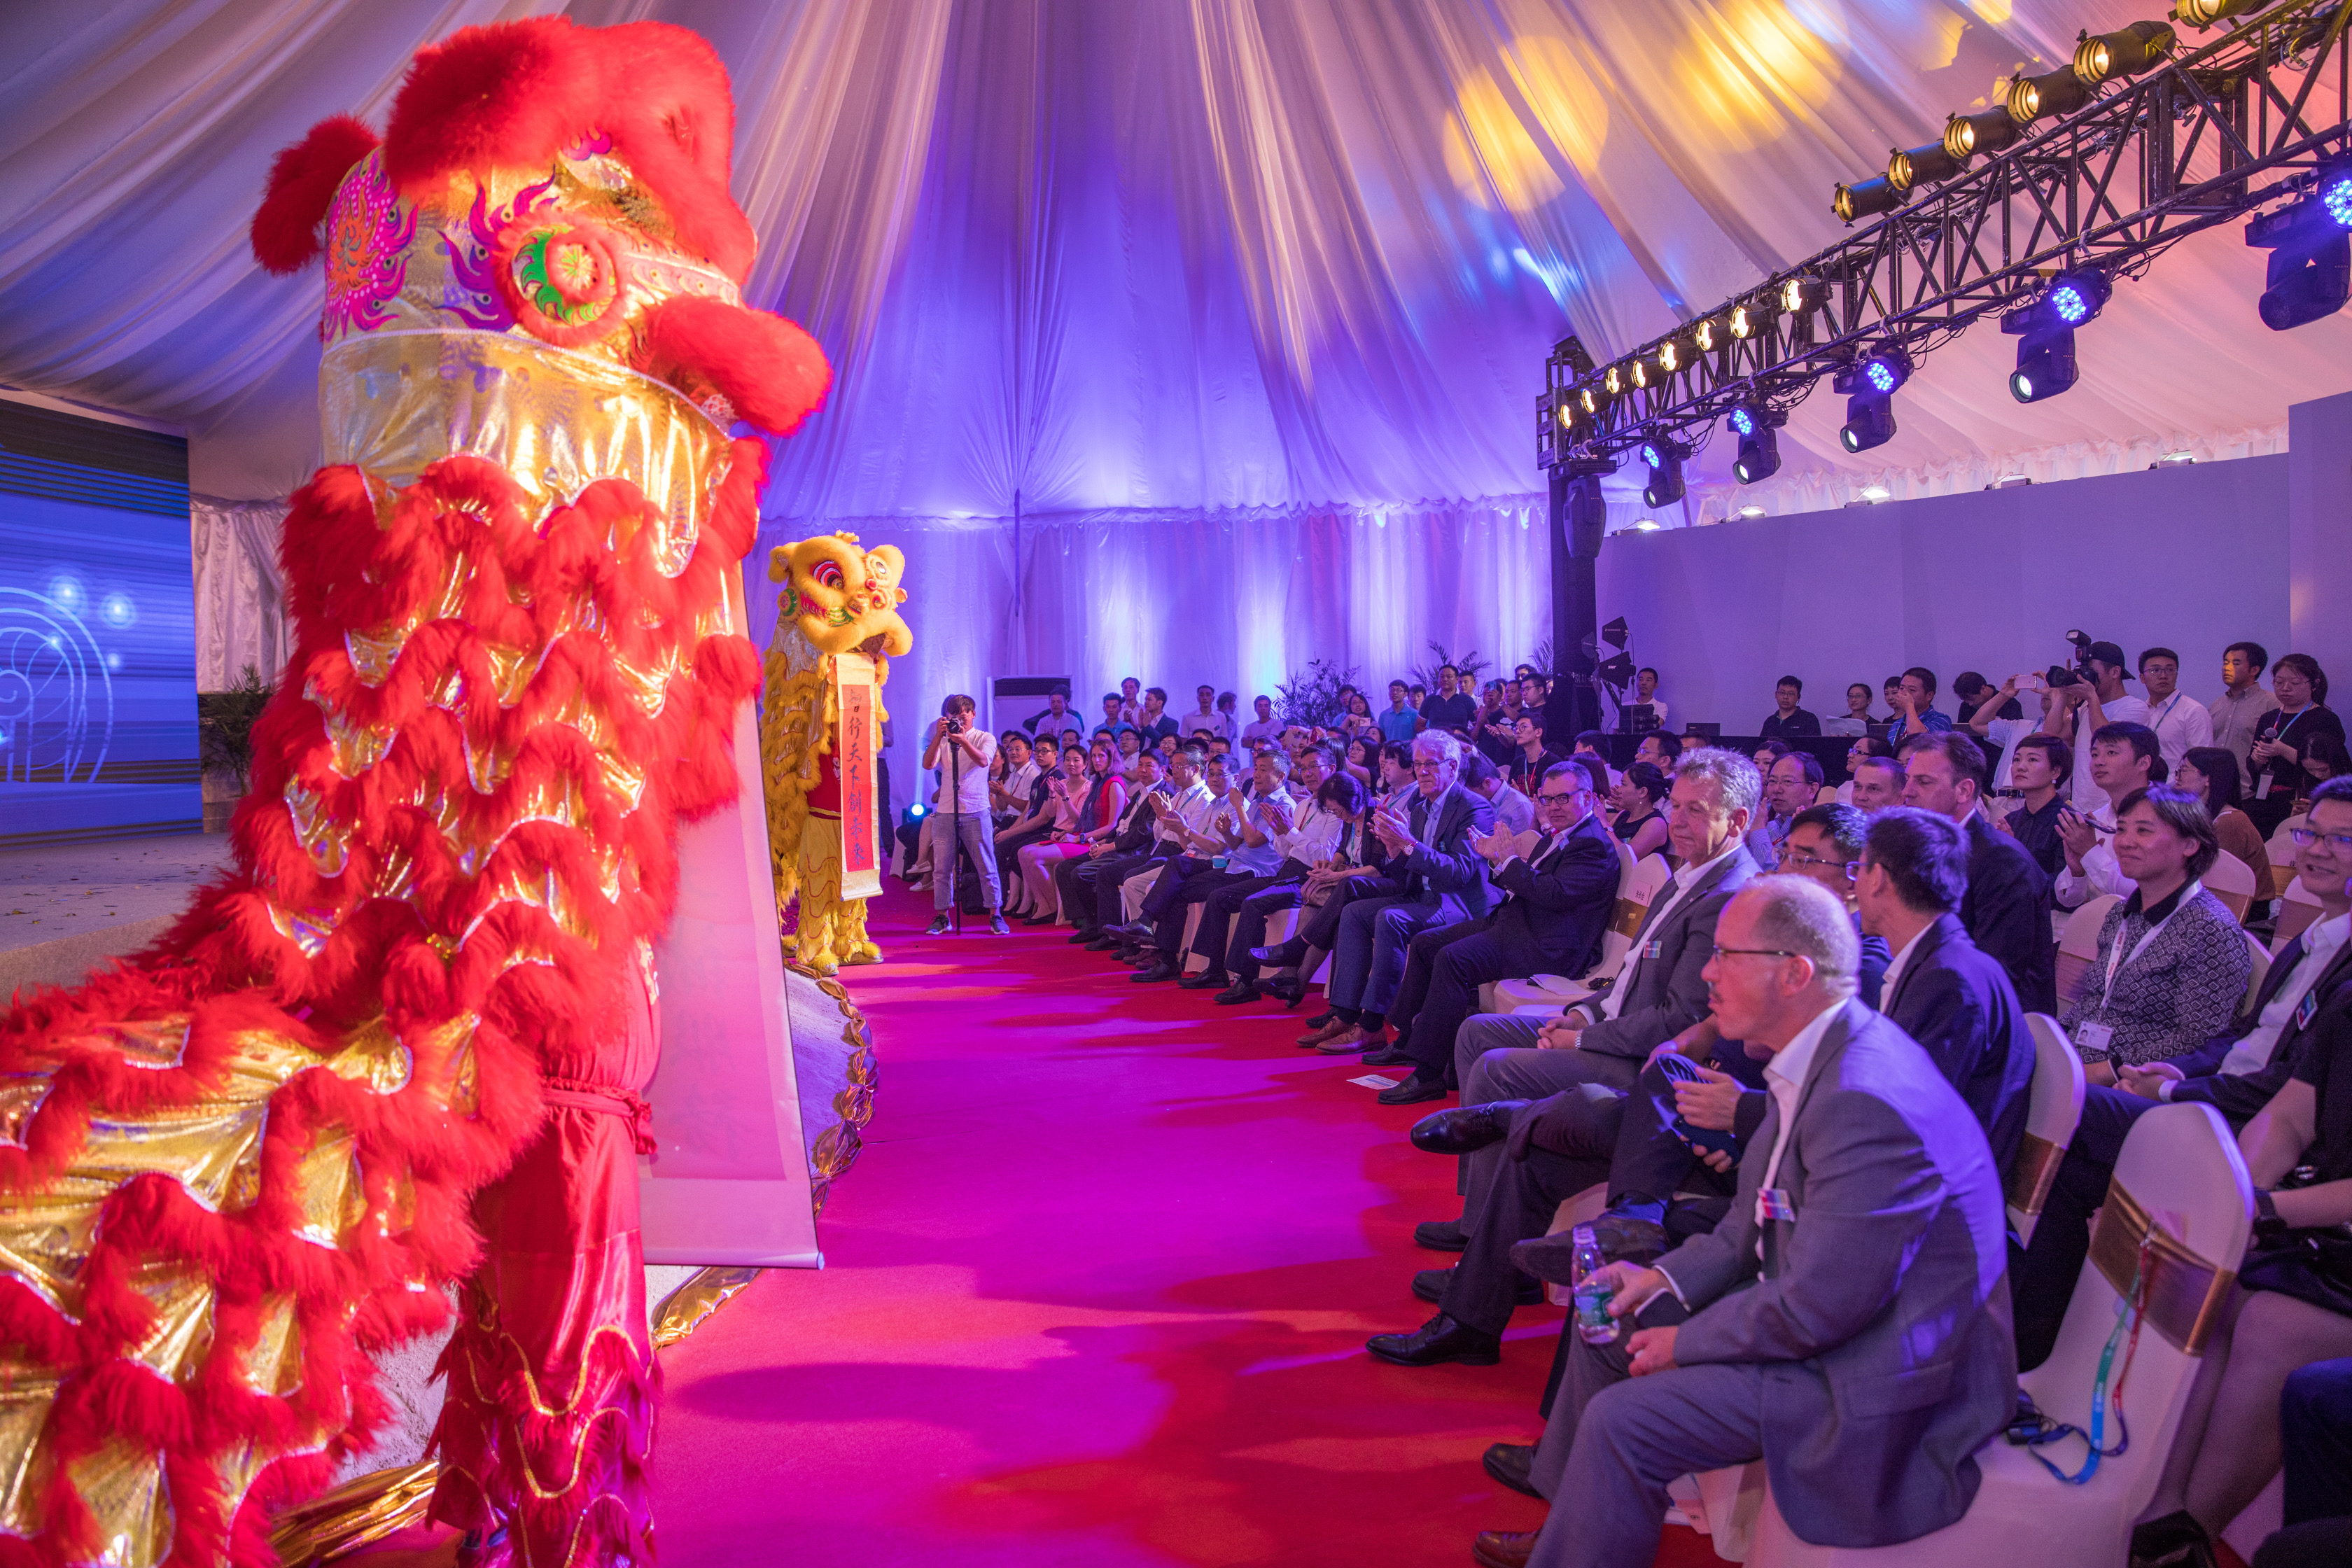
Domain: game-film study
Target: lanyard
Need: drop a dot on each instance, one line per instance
(2135, 1310)
(2116, 954)
(2159, 715)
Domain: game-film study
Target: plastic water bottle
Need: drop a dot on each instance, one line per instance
(1592, 1319)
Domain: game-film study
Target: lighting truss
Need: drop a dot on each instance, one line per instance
(2211, 134)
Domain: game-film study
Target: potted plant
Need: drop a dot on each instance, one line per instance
(225, 743)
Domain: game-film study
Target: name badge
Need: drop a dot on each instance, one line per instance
(1654, 948)
(2094, 1036)
(1773, 1202)
(2307, 1009)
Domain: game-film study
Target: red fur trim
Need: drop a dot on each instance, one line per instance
(302, 184)
(771, 371)
(516, 94)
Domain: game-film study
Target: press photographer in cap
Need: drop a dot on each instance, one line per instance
(961, 751)
(2085, 698)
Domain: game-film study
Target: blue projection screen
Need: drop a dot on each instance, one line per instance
(97, 652)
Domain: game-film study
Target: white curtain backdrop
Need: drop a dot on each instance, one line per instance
(240, 594)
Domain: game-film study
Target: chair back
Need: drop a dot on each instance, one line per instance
(1525, 841)
(2079, 945)
(1825, 794)
(1638, 882)
(2297, 911)
(2054, 1105)
(2180, 1207)
(2259, 974)
(2282, 846)
(2232, 880)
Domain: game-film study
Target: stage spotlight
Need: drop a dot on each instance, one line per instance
(1617, 634)
(1916, 166)
(1707, 335)
(1592, 397)
(1965, 135)
(2107, 56)
(1760, 446)
(2201, 13)
(2310, 271)
(1802, 296)
(1869, 422)
(2045, 365)
(1664, 458)
(1563, 410)
(1868, 198)
(1745, 319)
(2032, 97)
(1615, 379)
(2074, 298)
(1878, 374)
(1670, 357)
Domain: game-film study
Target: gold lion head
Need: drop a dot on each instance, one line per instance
(842, 595)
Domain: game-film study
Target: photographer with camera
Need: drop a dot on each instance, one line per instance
(2085, 698)
(962, 752)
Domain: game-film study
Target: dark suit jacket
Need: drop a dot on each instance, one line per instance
(1444, 866)
(1137, 826)
(1961, 1009)
(1562, 904)
(2239, 1098)
(1880, 1313)
(1665, 994)
(2006, 912)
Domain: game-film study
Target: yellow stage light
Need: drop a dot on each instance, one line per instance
(1743, 320)
(2202, 14)
(1592, 399)
(1670, 357)
(2032, 97)
(1642, 376)
(1613, 378)
(1923, 165)
(1708, 336)
(2126, 53)
(1867, 198)
(1801, 296)
(1965, 135)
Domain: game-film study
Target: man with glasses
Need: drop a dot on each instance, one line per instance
(1558, 898)
(2182, 722)
(2307, 993)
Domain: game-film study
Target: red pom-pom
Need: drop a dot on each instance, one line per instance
(510, 92)
(302, 184)
(772, 371)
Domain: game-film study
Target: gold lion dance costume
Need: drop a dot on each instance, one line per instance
(401, 1042)
(836, 598)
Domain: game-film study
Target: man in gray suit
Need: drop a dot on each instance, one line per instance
(1848, 1322)
(1500, 1061)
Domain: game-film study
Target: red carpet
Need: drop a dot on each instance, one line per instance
(1096, 1294)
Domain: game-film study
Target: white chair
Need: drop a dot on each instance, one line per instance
(2079, 947)
(2180, 1167)
(1637, 885)
(2256, 976)
(2297, 911)
(2281, 845)
(1825, 794)
(2053, 1107)
(1578, 1208)
(1526, 840)
(2232, 880)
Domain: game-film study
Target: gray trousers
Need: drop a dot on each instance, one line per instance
(978, 836)
(1613, 1443)
(1495, 1058)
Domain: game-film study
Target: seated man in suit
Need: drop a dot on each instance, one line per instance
(1118, 850)
(1556, 901)
(2236, 1073)
(1289, 825)
(1656, 996)
(1172, 814)
(1425, 849)
(1847, 1324)
(2006, 911)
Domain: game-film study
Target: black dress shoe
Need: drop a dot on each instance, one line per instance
(1414, 1090)
(1152, 975)
(1429, 1284)
(1387, 1057)
(1101, 943)
(1207, 980)
(1234, 996)
(1283, 956)
(1551, 1258)
(1464, 1128)
(1440, 1235)
(1513, 1464)
(1437, 1341)
(1290, 992)
(1084, 935)
(1038, 920)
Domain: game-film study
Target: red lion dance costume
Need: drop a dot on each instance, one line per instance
(401, 1043)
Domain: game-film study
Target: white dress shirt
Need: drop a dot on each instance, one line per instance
(1785, 1075)
(1188, 807)
(1684, 880)
(2321, 942)
(2179, 722)
(1261, 859)
(1314, 836)
(1897, 965)
(2101, 872)
(1513, 810)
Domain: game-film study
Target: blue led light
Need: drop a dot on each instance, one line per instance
(1743, 423)
(2067, 301)
(2336, 196)
(1881, 375)
(1651, 455)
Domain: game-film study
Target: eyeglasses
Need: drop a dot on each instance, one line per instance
(1560, 794)
(1850, 867)
(1755, 953)
(2340, 842)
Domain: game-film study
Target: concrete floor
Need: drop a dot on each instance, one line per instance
(69, 890)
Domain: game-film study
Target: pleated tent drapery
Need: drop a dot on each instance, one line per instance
(1194, 269)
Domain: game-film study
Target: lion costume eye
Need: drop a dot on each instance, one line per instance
(827, 574)
(876, 569)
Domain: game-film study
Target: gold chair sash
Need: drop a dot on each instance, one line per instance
(2185, 1292)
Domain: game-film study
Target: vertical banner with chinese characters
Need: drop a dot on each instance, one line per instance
(861, 853)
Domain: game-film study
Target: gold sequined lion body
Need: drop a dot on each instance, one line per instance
(837, 598)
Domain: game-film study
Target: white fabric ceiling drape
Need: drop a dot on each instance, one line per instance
(1163, 255)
